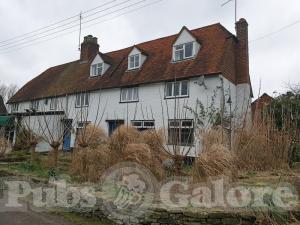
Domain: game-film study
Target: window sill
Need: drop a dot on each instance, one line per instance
(84, 106)
(129, 102)
(185, 96)
(133, 69)
(186, 59)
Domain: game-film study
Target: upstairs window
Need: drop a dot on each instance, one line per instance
(177, 89)
(134, 61)
(183, 51)
(129, 94)
(82, 100)
(34, 105)
(14, 107)
(97, 69)
(53, 103)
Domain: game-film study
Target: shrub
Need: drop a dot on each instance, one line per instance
(89, 163)
(4, 146)
(125, 144)
(262, 147)
(215, 161)
(122, 136)
(23, 139)
(91, 136)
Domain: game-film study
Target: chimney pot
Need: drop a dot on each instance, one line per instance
(89, 48)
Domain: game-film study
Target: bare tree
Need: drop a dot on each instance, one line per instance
(7, 91)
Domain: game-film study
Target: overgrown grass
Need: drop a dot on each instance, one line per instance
(126, 144)
(79, 220)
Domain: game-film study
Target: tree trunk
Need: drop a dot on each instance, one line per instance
(53, 155)
(33, 153)
(178, 161)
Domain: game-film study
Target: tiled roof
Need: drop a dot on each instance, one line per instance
(217, 55)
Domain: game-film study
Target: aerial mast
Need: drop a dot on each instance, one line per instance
(235, 8)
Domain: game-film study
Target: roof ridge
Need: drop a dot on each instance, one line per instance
(165, 37)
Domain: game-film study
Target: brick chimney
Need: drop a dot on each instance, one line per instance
(242, 52)
(89, 48)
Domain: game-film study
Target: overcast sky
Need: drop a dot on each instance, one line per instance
(274, 60)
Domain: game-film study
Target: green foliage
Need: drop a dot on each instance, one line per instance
(295, 156)
(286, 110)
(23, 139)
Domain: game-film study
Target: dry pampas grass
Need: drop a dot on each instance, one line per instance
(90, 163)
(91, 136)
(4, 146)
(122, 136)
(125, 145)
(216, 161)
(262, 147)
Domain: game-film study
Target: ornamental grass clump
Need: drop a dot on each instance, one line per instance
(126, 144)
(215, 159)
(91, 136)
(262, 147)
(4, 147)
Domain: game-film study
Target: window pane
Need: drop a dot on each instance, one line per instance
(188, 50)
(78, 100)
(149, 123)
(184, 88)
(187, 123)
(179, 47)
(135, 94)
(129, 94)
(86, 103)
(81, 99)
(169, 87)
(176, 88)
(178, 55)
(131, 62)
(94, 70)
(123, 94)
(187, 136)
(174, 123)
(137, 61)
(99, 68)
(137, 123)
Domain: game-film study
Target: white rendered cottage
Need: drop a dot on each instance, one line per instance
(149, 85)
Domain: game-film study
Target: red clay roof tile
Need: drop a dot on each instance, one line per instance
(215, 56)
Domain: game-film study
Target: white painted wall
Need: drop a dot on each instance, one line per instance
(151, 105)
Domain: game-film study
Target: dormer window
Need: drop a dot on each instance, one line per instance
(97, 69)
(134, 61)
(183, 51)
(98, 66)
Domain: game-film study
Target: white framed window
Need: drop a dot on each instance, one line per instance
(34, 105)
(14, 107)
(134, 61)
(53, 103)
(181, 132)
(130, 94)
(82, 99)
(97, 69)
(143, 124)
(183, 51)
(177, 89)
